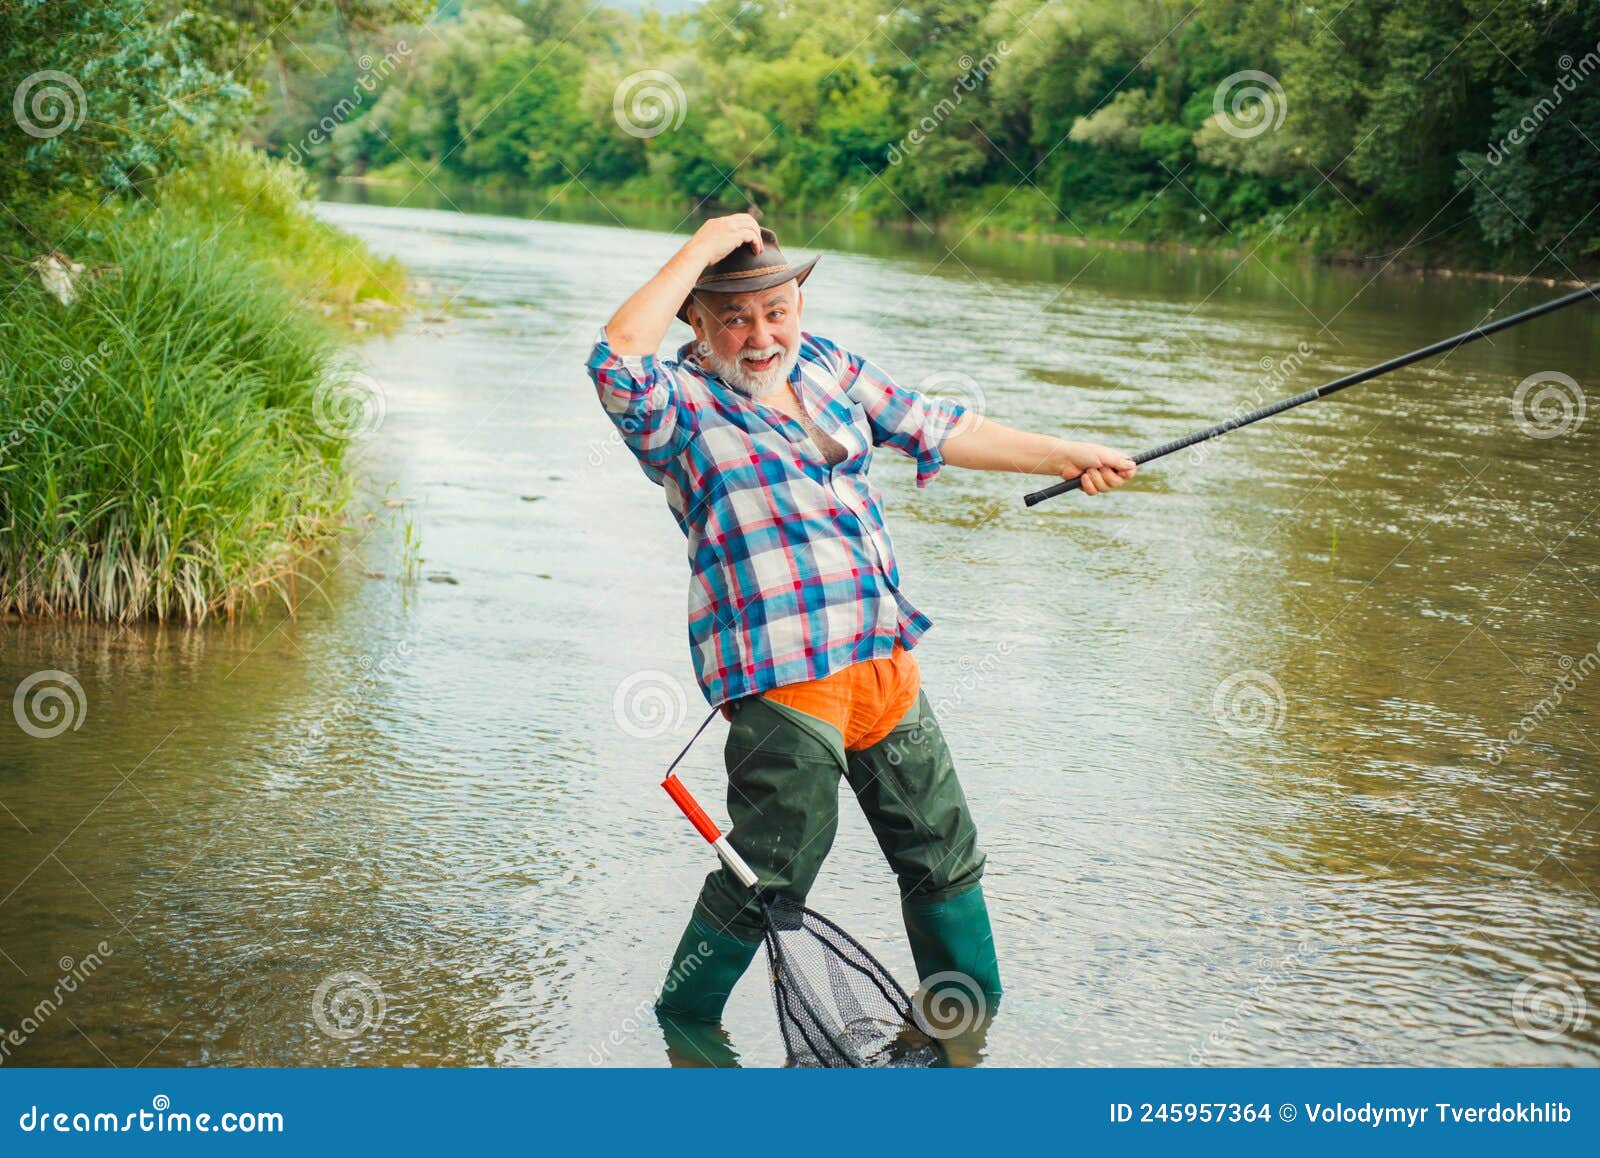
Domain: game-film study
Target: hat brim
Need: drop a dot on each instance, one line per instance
(754, 284)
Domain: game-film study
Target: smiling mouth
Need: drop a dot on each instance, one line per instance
(760, 364)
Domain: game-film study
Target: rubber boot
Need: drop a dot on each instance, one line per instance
(952, 936)
(695, 1044)
(704, 969)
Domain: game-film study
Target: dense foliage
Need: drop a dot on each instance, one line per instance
(1467, 127)
(101, 100)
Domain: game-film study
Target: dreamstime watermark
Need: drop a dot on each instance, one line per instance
(648, 103)
(373, 72)
(1227, 1030)
(600, 448)
(973, 672)
(1547, 1006)
(156, 1120)
(1573, 674)
(47, 104)
(648, 704)
(1249, 103)
(950, 1004)
(1548, 404)
(49, 702)
(351, 703)
(958, 387)
(1269, 386)
(643, 1014)
(1249, 704)
(347, 1004)
(73, 974)
(973, 74)
(1573, 74)
(350, 407)
(74, 373)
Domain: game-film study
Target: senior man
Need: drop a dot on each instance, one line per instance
(761, 435)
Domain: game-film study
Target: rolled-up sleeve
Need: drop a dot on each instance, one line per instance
(915, 424)
(642, 399)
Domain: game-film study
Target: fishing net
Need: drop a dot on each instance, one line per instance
(837, 1006)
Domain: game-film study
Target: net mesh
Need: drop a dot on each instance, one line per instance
(837, 1006)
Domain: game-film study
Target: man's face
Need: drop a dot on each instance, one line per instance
(754, 338)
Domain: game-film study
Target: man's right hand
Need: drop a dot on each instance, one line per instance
(720, 236)
(643, 320)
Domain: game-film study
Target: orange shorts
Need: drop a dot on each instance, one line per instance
(864, 701)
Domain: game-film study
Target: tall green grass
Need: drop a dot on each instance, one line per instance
(172, 444)
(257, 207)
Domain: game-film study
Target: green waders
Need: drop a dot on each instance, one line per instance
(783, 798)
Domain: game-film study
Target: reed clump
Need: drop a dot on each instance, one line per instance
(173, 442)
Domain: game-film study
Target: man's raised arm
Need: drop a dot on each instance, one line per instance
(643, 320)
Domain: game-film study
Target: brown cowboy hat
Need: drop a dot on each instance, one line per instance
(744, 271)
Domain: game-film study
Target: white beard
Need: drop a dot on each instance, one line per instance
(756, 384)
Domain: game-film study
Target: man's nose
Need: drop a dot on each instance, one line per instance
(760, 335)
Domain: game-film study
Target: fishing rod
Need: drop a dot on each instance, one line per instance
(1587, 293)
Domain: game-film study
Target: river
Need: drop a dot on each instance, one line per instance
(1286, 753)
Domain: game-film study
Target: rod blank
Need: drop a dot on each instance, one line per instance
(1443, 346)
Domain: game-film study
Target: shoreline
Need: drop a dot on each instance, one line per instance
(1297, 254)
(1409, 267)
(944, 227)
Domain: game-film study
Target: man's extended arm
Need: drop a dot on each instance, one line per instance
(980, 443)
(643, 320)
(937, 431)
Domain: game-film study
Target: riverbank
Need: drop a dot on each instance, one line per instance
(1399, 258)
(179, 402)
(1380, 263)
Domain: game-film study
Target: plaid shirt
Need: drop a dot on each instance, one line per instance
(792, 576)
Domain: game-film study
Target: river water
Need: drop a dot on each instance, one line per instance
(1287, 753)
